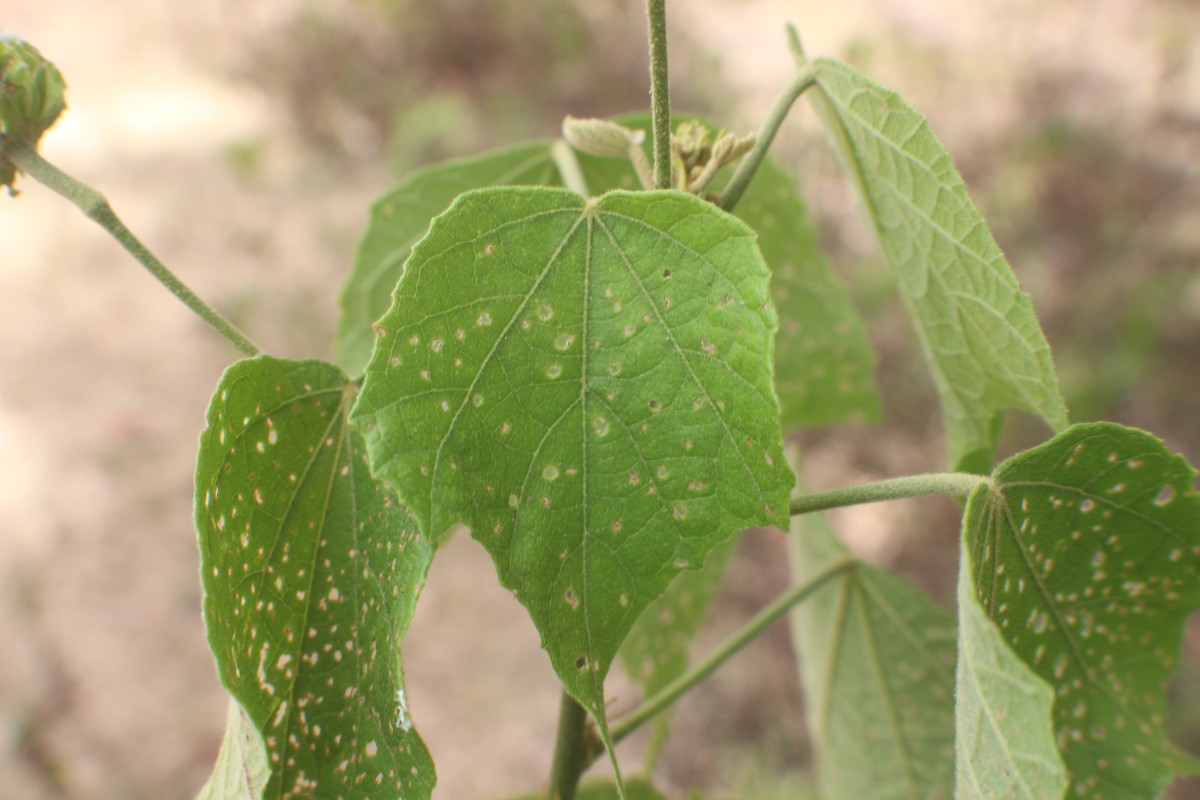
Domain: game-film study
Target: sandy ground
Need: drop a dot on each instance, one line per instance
(107, 688)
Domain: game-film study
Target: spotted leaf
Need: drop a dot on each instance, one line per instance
(400, 218)
(824, 366)
(876, 659)
(978, 329)
(310, 574)
(587, 386)
(1086, 555)
(1004, 736)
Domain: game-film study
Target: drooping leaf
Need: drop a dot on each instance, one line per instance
(241, 771)
(876, 660)
(310, 574)
(587, 386)
(400, 218)
(1086, 555)
(982, 339)
(1004, 741)
(824, 366)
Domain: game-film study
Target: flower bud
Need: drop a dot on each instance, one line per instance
(600, 137)
(31, 98)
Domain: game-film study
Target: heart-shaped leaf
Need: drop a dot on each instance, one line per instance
(978, 328)
(587, 386)
(311, 573)
(1086, 554)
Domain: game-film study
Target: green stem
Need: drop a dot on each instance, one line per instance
(749, 165)
(952, 483)
(660, 97)
(761, 621)
(96, 207)
(572, 753)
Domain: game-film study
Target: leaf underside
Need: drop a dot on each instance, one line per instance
(1086, 555)
(310, 574)
(241, 771)
(978, 329)
(1004, 740)
(876, 660)
(587, 386)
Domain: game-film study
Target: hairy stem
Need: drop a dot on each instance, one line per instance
(748, 167)
(952, 483)
(572, 754)
(660, 97)
(761, 621)
(96, 207)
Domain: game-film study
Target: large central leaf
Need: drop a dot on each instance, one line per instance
(587, 385)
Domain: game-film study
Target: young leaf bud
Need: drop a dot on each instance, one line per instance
(31, 98)
(599, 137)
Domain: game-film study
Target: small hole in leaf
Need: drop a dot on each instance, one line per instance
(666, 273)
(581, 662)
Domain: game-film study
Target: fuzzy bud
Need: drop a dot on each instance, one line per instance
(31, 98)
(600, 137)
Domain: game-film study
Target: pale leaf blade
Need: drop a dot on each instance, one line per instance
(876, 659)
(1086, 555)
(982, 339)
(1004, 741)
(311, 574)
(587, 386)
(241, 771)
(400, 218)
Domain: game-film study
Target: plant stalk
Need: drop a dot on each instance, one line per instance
(748, 166)
(660, 97)
(959, 484)
(746, 634)
(96, 207)
(571, 756)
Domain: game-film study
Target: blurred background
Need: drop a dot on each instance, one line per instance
(243, 142)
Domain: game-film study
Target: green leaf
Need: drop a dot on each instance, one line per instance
(876, 660)
(310, 574)
(587, 386)
(241, 771)
(1086, 554)
(400, 218)
(824, 366)
(982, 339)
(1004, 742)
